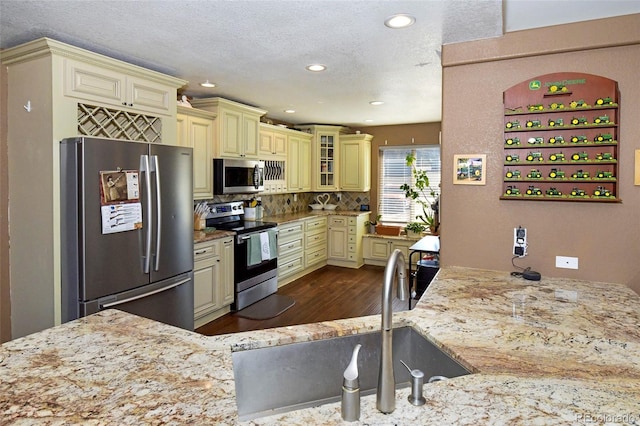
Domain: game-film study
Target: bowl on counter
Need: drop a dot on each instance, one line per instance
(316, 206)
(330, 206)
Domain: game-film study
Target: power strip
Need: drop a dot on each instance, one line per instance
(519, 241)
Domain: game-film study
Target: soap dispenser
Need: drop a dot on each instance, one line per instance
(351, 389)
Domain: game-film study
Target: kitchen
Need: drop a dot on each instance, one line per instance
(618, 240)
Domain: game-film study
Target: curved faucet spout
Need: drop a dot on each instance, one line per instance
(386, 392)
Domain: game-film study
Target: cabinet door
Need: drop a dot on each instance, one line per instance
(147, 96)
(279, 144)
(229, 144)
(378, 249)
(266, 143)
(226, 272)
(351, 167)
(338, 246)
(303, 165)
(182, 132)
(293, 165)
(201, 137)
(205, 295)
(326, 147)
(251, 135)
(93, 83)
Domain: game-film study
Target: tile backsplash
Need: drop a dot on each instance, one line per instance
(276, 204)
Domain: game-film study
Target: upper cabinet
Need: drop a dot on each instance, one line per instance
(107, 86)
(273, 142)
(236, 129)
(298, 159)
(195, 130)
(355, 162)
(324, 156)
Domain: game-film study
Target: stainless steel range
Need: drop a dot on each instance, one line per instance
(255, 277)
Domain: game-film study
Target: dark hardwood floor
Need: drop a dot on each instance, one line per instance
(327, 294)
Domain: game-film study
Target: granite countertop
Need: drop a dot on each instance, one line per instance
(571, 357)
(209, 234)
(292, 217)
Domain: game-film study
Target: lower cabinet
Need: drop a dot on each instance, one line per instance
(315, 243)
(377, 249)
(345, 240)
(212, 279)
(290, 251)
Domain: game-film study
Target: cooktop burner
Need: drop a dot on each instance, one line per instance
(230, 217)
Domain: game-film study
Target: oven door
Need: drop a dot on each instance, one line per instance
(246, 275)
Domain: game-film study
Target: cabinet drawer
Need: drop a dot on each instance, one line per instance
(314, 257)
(315, 223)
(290, 231)
(205, 250)
(288, 247)
(352, 248)
(353, 221)
(352, 238)
(290, 267)
(337, 221)
(315, 239)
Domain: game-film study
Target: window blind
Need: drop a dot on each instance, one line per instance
(393, 171)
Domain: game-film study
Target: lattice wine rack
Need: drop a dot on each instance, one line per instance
(117, 124)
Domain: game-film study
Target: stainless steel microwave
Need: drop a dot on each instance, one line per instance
(232, 176)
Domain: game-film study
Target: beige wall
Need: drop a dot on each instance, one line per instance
(5, 304)
(396, 135)
(477, 227)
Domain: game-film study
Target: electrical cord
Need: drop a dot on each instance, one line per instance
(517, 273)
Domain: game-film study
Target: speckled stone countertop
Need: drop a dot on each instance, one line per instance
(292, 217)
(567, 358)
(209, 234)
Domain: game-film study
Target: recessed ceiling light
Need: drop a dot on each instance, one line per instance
(400, 20)
(289, 111)
(368, 120)
(376, 102)
(316, 67)
(207, 84)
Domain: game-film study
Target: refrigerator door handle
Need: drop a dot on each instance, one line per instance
(140, 296)
(155, 168)
(146, 256)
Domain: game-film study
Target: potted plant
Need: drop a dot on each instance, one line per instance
(423, 195)
(371, 224)
(415, 228)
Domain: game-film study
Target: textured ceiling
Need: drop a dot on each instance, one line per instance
(256, 51)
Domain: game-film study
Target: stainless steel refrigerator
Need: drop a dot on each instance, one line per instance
(127, 229)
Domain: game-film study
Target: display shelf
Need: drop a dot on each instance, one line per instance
(561, 139)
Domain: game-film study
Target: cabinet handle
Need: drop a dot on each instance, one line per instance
(201, 251)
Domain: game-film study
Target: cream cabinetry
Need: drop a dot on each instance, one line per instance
(298, 171)
(355, 162)
(212, 279)
(325, 156)
(345, 240)
(273, 142)
(315, 244)
(376, 250)
(195, 130)
(36, 74)
(108, 86)
(236, 129)
(290, 251)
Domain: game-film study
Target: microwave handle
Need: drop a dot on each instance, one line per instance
(256, 176)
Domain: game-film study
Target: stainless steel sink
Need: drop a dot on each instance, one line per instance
(290, 377)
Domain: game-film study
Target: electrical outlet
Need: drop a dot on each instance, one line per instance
(520, 241)
(566, 262)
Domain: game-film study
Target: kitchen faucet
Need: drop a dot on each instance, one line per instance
(386, 393)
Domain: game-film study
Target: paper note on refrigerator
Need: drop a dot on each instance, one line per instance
(121, 217)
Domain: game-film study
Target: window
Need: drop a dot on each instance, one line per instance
(394, 207)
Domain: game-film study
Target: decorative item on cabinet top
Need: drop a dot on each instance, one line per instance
(561, 139)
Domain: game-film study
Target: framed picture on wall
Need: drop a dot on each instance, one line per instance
(470, 169)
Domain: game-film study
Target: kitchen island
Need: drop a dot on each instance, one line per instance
(569, 355)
